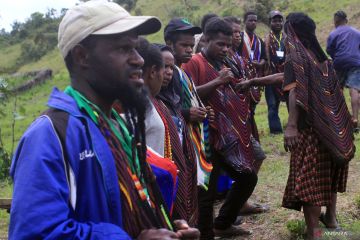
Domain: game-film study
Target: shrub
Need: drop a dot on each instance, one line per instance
(296, 228)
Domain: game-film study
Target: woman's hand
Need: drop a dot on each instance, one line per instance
(186, 232)
(210, 114)
(197, 114)
(158, 234)
(291, 138)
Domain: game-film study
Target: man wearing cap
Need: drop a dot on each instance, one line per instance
(179, 36)
(275, 55)
(79, 171)
(343, 45)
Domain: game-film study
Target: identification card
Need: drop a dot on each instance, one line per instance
(280, 54)
(252, 55)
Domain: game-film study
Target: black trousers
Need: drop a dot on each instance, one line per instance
(242, 188)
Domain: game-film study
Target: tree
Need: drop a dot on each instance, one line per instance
(5, 160)
(262, 9)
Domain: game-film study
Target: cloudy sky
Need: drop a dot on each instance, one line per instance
(20, 10)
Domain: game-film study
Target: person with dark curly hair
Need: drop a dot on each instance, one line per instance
(215, 76)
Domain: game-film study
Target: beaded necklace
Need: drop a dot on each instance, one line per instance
(167, 141)
(123, 135)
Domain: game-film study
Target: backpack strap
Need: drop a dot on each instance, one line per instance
(59, 120)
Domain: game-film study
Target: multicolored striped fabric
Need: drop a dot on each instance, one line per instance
(318, 93)
(162, 168)
(199, 132)
(186, 203)
(250, 48)
(247, 47)
(231, 111)
(142, 204)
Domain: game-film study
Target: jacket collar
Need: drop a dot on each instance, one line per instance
(62, 101)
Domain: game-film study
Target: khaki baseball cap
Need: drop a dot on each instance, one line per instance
(100, 17)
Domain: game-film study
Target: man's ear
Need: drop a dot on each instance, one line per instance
(169, 43)
(80, 55)
(206, 38)
(153, 72)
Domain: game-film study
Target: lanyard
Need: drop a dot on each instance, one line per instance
(251, 40)
(277, 40)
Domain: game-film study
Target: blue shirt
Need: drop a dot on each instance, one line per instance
(343, 45)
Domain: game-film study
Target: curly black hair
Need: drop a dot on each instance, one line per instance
(341, 14)
(217, 25)
(150, 53)
(248, 13)
(206, 19)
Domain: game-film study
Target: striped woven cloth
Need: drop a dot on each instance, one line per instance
(186, 203)
(232, 111)
(199, 131)
(318, 92)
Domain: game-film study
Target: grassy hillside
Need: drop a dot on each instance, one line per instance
(8, 57)
(34, 101)
(321, 10)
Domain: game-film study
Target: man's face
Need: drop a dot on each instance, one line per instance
(276, 23)
(236, 39)
(115, 68)
(183, 47)
(169, 67)
(218, 46)
(251, 22)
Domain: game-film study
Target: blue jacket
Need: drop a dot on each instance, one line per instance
(343, 45)
(49, 203)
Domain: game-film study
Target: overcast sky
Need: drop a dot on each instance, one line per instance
(11, 10)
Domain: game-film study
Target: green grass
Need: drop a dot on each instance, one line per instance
(6, 192)
(320, 10)
(52, 60)
(9, 56)
(272, 177)
(29, 105)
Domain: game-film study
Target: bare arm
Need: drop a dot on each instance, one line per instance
(261, 81)
(291, 131)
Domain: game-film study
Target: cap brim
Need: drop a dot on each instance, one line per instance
(143, 25)
(191, 29)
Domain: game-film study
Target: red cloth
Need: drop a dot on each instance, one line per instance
(167, 187)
